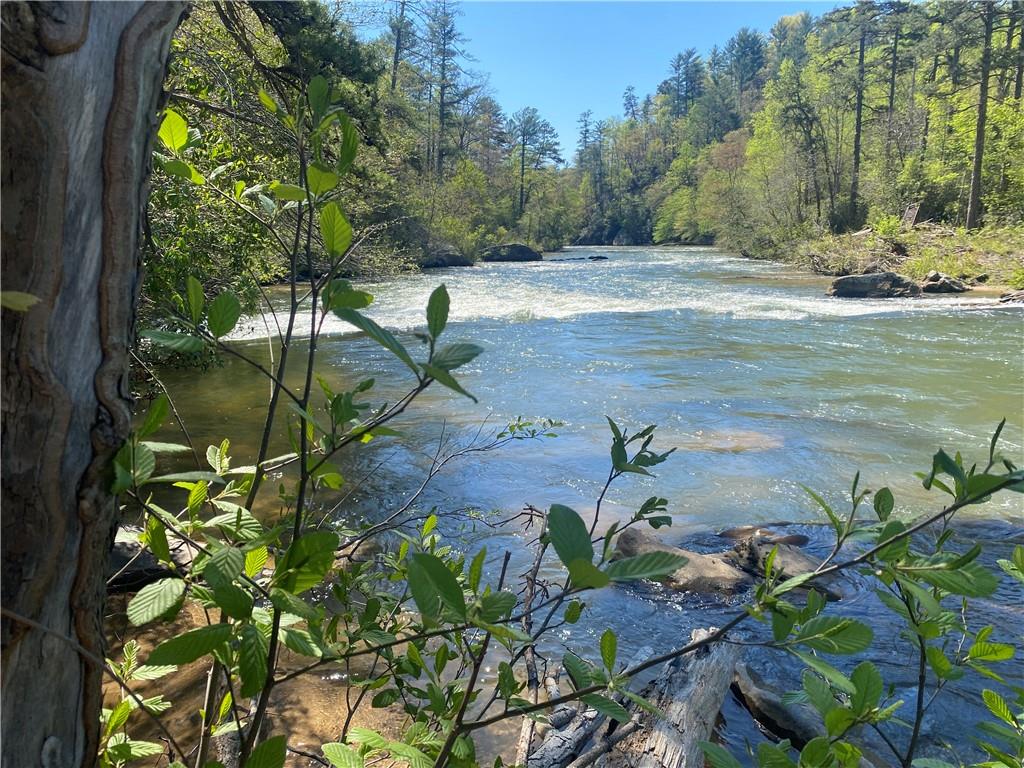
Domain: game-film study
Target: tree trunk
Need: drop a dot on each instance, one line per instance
(857, 124)
(81, 86)
(974, 199)
(397, 57)
(1019, 80)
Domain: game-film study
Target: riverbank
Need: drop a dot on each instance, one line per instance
(993, 256)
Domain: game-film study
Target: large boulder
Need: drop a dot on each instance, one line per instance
(511, 252)
(131, 567)
(704, 574)
(444, 255)
(880, 285)
(936, 282)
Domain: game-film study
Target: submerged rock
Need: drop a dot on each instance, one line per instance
(937, 282)
(704, 574)
(878, 285)
(511, 252)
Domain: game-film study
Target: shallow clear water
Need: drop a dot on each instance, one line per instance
(757, 378)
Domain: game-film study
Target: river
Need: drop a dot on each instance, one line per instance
(760, 381)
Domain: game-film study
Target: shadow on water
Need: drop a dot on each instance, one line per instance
(759, 380)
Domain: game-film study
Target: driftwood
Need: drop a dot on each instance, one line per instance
(689, 693)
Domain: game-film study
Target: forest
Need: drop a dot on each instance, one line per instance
(301, 469)
(771, 144)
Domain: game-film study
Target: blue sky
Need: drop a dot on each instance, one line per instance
(567, 57)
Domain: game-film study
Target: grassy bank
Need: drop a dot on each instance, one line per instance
(991, 255)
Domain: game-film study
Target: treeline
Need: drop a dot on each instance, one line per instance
(821, 126)
(441, 166)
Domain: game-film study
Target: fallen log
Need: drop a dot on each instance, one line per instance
(689, 694)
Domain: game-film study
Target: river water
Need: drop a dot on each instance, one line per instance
(758, 379)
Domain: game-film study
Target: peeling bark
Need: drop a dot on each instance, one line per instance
(81, 86)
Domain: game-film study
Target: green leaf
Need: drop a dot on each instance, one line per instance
(718, 756)
(606, 707)
(252, 660)
(224, 313)
(569, 535)
(833, 634)
(441, 376)
(17, 301)
(300, 641)
(290, 192)
(224, 566)
(969, 579)
(837, 679)
(774, 756)
(233, 600)
(997, 706)
(190, 646)
(868, 682)
(255, 560)
(609, 649)
(155, 416)
(341, 755)
(573, 612)
(579, 671)
(650, 565)
(268, 101)
(155, 600)
(173, 131)
(585, 574)
(335, 230)
(443, 580)
(318, 95)
(453, 356)
(321, 179)
(183, 170)
(496, 606)
(378, 334)
(476, 569)
(884, 503)
(176, 342)
(437, 312)
(156, 539)
(196, 299)
(349, 144)
(307, 561)
(341, 295)
(270, 754)
(986, 651)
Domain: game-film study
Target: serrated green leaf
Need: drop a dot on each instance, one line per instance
(306, 561)
(196, 299)
(341, 755)
(173, 131)
(833, 634)
(190, 646)
(868, 682)
(579, 671)
(442, 579)
(718, 756)
(606, 707)
(156, 600)
(17, 301)
(335, 230)
(252, 659)
(321, 179)
(270, 754)
(292, 192)
(569, 535)
(609, 650)
(884, 503)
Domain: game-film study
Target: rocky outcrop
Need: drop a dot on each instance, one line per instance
(880, 285)
(444, 255)
(511, 252)
(936, 282)
(704, 574)
(1012, 297)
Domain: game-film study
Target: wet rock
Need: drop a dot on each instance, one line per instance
(937, 282)
(1012, 297)
(597, 258)
(130, 568)
(511, 252)
(750, 555)
(444, 255)
(879, 285)
(767, 533)
(704, 574)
